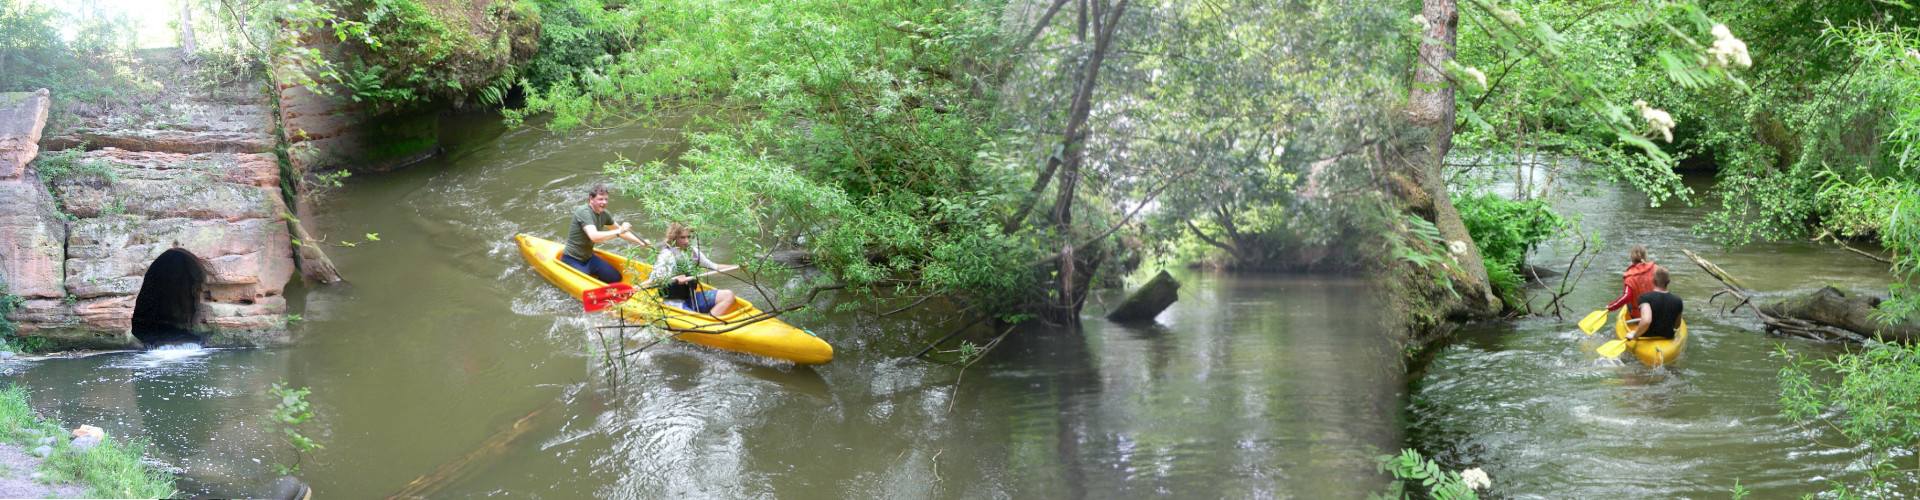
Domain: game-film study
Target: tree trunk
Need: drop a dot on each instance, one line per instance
(1850, 311)
(187, 47)
(1430, 107)
(1070, 152)
(1074, 139)
(1147, 302)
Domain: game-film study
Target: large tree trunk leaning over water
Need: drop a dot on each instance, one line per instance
(1147, 302)
(1854, 312)
(1411, 171)
(1430, 105)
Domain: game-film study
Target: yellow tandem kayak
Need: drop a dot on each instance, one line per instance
(1653, 351)
(767, 336)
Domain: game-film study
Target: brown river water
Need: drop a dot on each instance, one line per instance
(447, 364)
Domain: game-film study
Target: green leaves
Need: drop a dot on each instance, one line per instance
(1438, 483)
(1505, 231)
(289, 414)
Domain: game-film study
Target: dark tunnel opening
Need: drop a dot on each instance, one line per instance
(169, 297)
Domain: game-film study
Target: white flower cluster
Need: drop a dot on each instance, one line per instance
(1659, 120)
(1727, 49)
(1421, 21)
(1476, 478)
(1478, 77)
(1510, 17)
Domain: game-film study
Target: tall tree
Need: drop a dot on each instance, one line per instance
(1431, 112)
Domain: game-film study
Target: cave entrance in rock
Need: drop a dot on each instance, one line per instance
(169, 298)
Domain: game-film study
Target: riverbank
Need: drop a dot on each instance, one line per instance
(40, 459)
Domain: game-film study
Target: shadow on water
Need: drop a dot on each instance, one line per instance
(1071, 380)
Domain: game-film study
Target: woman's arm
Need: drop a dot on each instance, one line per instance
(1625, 294)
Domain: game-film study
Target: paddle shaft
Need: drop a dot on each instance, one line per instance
(701, 275)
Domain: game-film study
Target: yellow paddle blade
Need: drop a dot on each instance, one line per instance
(1612, 348)
(1593, 321)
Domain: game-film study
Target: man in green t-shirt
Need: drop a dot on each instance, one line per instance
(585, 229)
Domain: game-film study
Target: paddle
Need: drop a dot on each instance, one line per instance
(1593, 321)
(1613, 348)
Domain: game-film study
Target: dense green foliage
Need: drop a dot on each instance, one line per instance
(861, 143)
(8, 302)
(1506, 230)
(1592, 80)
(34, 55)
(1876, 404)
(894, 140)
(112, 469)
(1260, 114)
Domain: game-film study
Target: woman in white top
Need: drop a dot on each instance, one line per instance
(680, 262)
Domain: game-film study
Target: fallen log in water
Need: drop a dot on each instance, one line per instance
(1828, 315)
(1853, 312)
(1147, 302)
(490, 451)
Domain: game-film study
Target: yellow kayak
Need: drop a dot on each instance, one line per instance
(1653, 351)
(739, 330)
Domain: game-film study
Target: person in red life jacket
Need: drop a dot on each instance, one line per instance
(1639, 280)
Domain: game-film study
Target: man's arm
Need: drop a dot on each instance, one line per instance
(1646, 320)
(628, 235)
(598, 236)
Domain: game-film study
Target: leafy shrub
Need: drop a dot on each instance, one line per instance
(1506, 230)
(1876, 404)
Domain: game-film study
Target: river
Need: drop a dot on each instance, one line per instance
(446, 362)
(1529, 401)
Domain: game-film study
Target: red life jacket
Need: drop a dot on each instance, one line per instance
(1639, 280)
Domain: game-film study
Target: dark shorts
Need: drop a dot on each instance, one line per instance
(596, 267)
(702, 302)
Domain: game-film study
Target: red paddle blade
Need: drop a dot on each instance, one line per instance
(603, 297)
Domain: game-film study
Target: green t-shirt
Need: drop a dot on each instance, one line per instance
(578, 245)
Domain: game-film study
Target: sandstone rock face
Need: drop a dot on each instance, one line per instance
(233, 120)
(22, 115)
(31, 233)
(328, 133)
(190, 171)
(223, 208)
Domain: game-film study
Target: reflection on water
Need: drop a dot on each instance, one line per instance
(1531, 403)
(446, 362)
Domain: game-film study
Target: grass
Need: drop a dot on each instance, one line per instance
(112, 469)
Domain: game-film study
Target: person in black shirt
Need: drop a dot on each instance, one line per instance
(1659, 310)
